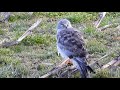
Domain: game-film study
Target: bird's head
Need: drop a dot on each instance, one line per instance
(63, 24)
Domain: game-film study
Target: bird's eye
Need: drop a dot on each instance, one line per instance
(61, 25)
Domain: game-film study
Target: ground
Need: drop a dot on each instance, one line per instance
(37, 53)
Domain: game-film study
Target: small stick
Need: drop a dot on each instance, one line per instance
(107, 26)
(114, 62)
(100, 19)
(7, 44)
(29, 30)
(53, 72)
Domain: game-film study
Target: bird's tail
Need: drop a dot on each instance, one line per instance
(82, 67)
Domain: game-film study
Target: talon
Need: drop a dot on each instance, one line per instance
(68, 62)
(65, 62)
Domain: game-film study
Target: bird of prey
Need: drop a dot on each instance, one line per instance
(71, 46)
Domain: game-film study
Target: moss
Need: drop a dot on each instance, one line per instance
(17, 48)
(38, 40)
(6, 51)
(89, 31)
(34, 40)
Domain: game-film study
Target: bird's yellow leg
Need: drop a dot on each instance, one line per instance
(65, 62)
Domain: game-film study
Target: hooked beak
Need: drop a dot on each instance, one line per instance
(65, 25)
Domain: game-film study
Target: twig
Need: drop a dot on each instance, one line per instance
(114, 62)
(53, 71)
(107, 26)
(7, 44)
(47, 63)
(46, 75)
(96, 62)
(29, 30)
(73, 70)
(102, 15)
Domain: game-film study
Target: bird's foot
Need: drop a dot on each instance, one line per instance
(68, 62)
(65, 62)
